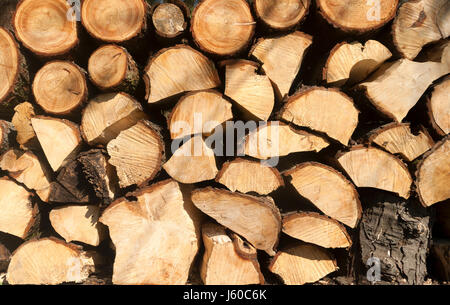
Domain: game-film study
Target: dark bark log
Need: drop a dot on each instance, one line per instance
(5, 256)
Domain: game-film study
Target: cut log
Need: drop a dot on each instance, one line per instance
(21, 120)
(198, 113)
(156, 237)
(169, 19)
(60, 139)
(302, 264)
(193, 162)
(44, 28)
(316, 229)
(351, 63)
(328, 190)
(222, 27)
(249, 176)
(281, 14)
(60, 87)
(326, 110)
(282, 58)
(111, 68)
(176, 70)
(419, 23)
(7, 133)
(137, 154)
(222, 264)
(433, 174)
(399, 139)
(5, 257)
(357, 16)
(275, 139)
(439, 107)
(78, 223)
(375, 168)
(49, 261)
(440, 252)
(257, 219)
(107, 115)
(251, 91)
(27, 169)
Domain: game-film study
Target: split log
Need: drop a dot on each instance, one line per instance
(193, 162)
(326, 110)
(111, 68)
(399, 139)
(222, 27)
(257, 219)
(137, 154)
(419, 23)
(170, 19)
(7, 133)
(302, 264)
(249, 176)
(49, 261)
(107, 115)
(189, 70)
(282, 58)
(439, 107)
(156, 237)
(198, 113)
(59, 87)
(375, 168)
(440, 252)
(351, 63)
(222, 264)
(328, 190)
(281, 15)
(5, 257)
(251, 91)
(433, 174)
(78, 223)
(26, 137)
(60, 139)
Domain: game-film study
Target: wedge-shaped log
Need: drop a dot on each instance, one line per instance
(439, 107)
(281, 14)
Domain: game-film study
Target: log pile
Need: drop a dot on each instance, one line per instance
(231, 143)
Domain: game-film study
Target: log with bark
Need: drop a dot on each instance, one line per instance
(5, 256)
(170, 19)
(7, 133)
(281, 15)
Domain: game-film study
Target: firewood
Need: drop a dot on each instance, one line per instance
(433, 174)
(222, 264)
(137, 154)
(49, 261)
(375, 168)
(419, 23)
(281, 14)
(222, 27)
(5, 256)
(7, 133)
(107, 115)
(111, 68)
(325, 110)
(257, 219)
(198, 113)
(251, 91)
(399, 139)
(78, 223)
(439, 107)
(440, 251)
(328, 190)
(169, 19)
(249, 176)
(59, 139)
(302, 264)
(281, 58)
(21, 120)
(189, 70)
(156, 237)
(193, 162)
(351, 63)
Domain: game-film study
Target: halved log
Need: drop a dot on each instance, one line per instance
(439, 107)
(7, 133)
(193, 162)
(328, 190)
(26, 137)
(249, 176)
(189, 70)
(281, 58)
(170, 19)
(222, 264)
(433, 174)
(222, 27)
(198, 113)
(251, 91)
(107, 115)
(351, 63)
(375, 168)
(156, 237)
(257, 219)
(281, 14)
(399, 139)
(302, 264)
(326, 110)
(5, 256)
(60, 139)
